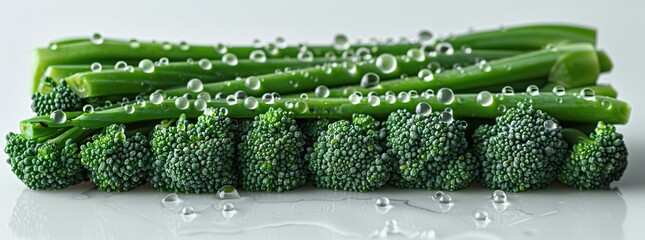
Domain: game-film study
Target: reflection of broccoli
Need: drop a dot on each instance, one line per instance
(194, 157)
(117, 162)
(596, 160)
(271, 154)
(348, 156)
(430, 151)
(522, 151)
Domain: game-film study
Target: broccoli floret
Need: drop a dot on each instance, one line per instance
(595, 160)
(313, 128)
(271, 154)
(431, 151)
(117, 162)
(61, 98)
(348, 156)
(53, 164)
(194, 157)
(522, 151)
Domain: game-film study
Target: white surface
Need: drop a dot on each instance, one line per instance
(56, 215)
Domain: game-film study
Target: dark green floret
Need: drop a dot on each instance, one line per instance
(430, 152)
(61, 98)
(522, 151)
(348, 156)
(116, 161)
(271, 154)
(596, 160)
(194, 157)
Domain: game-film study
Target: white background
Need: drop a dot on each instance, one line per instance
(27, 24)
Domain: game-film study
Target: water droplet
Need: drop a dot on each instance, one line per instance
(195, 85)
(204, 96)
(147, 66)
(88, 108)
(485, 98)
(416, 54)
(444, 48)
(166, 46)
(200, 105)
(499, 196)
(300, 107)
(322, 91)
(370, 80)
(141, 102)
(171, 201)
(341, 42)
(373, 100)
(426, 75)
(390, 98)
(559, 90)
(446, 116)
(550, 124)
(250, 103)
(606, 104)
(221, 48)
(252, 83)
(280, 42)
(134, 43)
(442, 197)
(205, 64)
(424, 109)
(188, 214)
(533, 90)
(588, 94)
(228, 207)
(288, 104)
(258, 56)
(355, 98)
(508, 91)
(229, 59)
(404, 97)
(364, 54)
(480, 215)
(156, 97)
(304, 96)
(129, 109)
(181, 103)
(97, 38)
(231, 99)
(53, 46)
(268, 98)
(501, 108)
(466, 49)
(386, 63)
(121, 66)
(227, 192)
(445, 96)
(209, 111)
(484, 66)
(425, 35)
(305, 56)
(96, 67)
(413, 94)
(350, 67)
(58, 116)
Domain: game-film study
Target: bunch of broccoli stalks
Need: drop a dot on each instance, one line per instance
(515, 109)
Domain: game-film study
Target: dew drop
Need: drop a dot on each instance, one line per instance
(484, 66)
(181, 103)
(466, 49)
(508, 91)
(350, 67)
(221, 48)
(499, 196)
(423, 109)
(322, 91)
(386, 63)
(363, 54)
(188, 214)
(606, 104)
(480, 215)
(228, 207)
(250, 103)
(58, 116)
(445, 96)
(166, 46)
(373, 100)
(288, 104)
(147, 66)
(96, 67)
(53, 46)
(383, 202)
(129, 109)
(304, 96)
(134, 43)
(428, 94)
(442, 197)
(426, 75)
(195, 85)
(416, 54)
(444, 48)
(229, 59)
(341, 42)
(204, 96)
(425, 35)
(183, 45)
(88, 108)
(156, 97)
(501, 108)
(485, 98)
(390, 98)
(300, 107)
(446, 116)
(355, 98)
(258, 56)
(121, 66)
(141, 102)
(97, 38)
(171, 201)
(268, 98)
(205, 64)
(228, 192)
(199, 105)
(209, 111)
(305, 56)
(533, 90)
(231, 99)
(370, 80)
(550, 124)
(588, 94)
(413, 94)
(404, 97)
(252, 83)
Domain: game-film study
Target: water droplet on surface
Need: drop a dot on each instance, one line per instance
(559, 91)
(156, 97)
(88, 108)
(413, 94)
(258, 56)
(466, 49)
(250, 103)
(228, 207)
(416, 54)
(231, 99)
(355, 98)
(204, 96)
(53, 46)
(485, 67)
(426, 75)
(533, 90)
(370, 80)
(446, 116)
(373, 100)
(442, 197)
(445, 96)
(350, 67)
(550, 124)
(205, 64)
(501, 108)
(485, 98)
(383, 202)
(134, 43)
(171, 201)
(423, 109)
(390, 98)
(341, 42)
(141, 102)
(252, 83)
(386, 63)
(363, 54)
(280, 42)
(97, 38)
(129, 109)
(181, 103)
(121, 66)
(199, 105)
(58, 116)
(321, 91)
(96, 67)
(300, 107)
(166, 46)
(480, 215)
(268, 98)
(606, 104)
(428, 94)
(425, 35)
(228, 192)
(304, 96)
(229, 59)
(188, 214)
(588, 94)
(305, 56)
(444, 48)
(499, 196)
(508, 91)
(404, 97)
(195, 85)
(147, 66)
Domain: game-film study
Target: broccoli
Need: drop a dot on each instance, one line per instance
(194, 157)
(522, 151)
(348, 156)
(61, 98)
(595, 160)
(116, 161)
(431, 151)
(52, 164)
(271, 154)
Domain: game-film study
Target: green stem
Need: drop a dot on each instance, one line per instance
(602, 90)
(574, 136)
